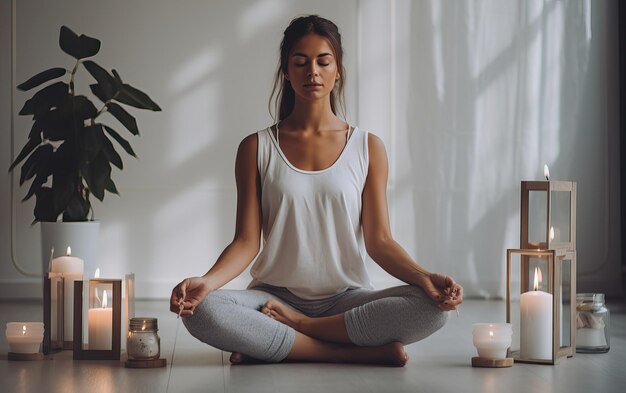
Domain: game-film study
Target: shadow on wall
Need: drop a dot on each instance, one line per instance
(494, 93)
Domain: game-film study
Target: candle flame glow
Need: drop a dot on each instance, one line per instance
(551, 233)
(68, 251)
(143, 326)
(97, 273)
(490, 333)
(537, 279)
(23, 330)
(546, 172)
(104, 299)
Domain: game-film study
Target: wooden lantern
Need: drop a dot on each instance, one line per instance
(103, 322)
(541, 304)
(548, 215)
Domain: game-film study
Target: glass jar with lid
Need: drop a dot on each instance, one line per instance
(592, 323)
(143, 342)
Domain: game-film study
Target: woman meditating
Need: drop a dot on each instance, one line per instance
(315, 188)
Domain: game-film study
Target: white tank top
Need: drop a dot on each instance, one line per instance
(312, 236)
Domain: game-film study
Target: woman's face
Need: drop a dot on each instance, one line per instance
(312, 68)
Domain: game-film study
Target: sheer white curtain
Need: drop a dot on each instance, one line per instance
(471, 97)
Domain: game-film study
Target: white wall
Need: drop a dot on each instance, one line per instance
(469, 97)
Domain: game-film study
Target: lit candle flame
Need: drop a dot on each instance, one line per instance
(546, 172)
(68, 251)
(551, 233)
(538, 278)
(97, 273)
(23, 330)
(104, 299)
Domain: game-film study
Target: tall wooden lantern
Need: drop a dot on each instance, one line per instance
(541, 274)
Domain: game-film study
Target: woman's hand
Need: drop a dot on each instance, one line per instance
(443, 290)
(188, 294)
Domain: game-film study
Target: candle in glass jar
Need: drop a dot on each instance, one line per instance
(24, 337)
(143, 342)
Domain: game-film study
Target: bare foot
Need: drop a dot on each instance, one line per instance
(394, 354)
(284, 314)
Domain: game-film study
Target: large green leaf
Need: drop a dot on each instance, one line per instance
(104, 79)
(131, 96)
(96, 174)
(43, 172)
(44, 209)
(96, 89)
(41, 156)
(65, 159)
(50, 96)
(77, 209)
(123, 142)
(110, 186)
(63, 187)
(84, 108)
(57, 124)
(124, 117)
(42, 77)
(32, 143)
(78, 47)
(92, 140)
(110, 153)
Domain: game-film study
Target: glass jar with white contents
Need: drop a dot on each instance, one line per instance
(143, 342)
(592, 323)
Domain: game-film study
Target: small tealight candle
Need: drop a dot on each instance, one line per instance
(492, 339)
(24, 337)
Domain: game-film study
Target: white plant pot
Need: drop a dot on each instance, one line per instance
(82, 237)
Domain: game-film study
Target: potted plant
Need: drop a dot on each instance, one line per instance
(69, 152)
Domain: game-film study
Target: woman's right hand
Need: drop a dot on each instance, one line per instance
(188, 293)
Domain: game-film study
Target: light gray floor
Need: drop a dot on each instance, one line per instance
(439, 364)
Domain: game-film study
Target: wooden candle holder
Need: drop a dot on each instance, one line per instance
(154, 363)
(477, 361)
(116, 324)
(25, 356)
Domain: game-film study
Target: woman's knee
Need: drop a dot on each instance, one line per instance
(426, 318)
(208, 315)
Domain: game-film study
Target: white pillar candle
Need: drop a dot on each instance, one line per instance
(536, 324)
(24, 337)
(71, 268)
(99, 321)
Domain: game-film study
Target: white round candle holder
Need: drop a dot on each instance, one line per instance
(492, 341)
(24, 339)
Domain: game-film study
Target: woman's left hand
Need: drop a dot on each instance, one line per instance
(443, 290)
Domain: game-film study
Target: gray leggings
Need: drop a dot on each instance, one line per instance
(230, 320)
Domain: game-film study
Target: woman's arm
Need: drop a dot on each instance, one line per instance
(379, 242)
(246, 242)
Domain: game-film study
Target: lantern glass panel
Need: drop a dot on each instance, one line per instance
(514, 293)
(537, 215)
(560, 211)
(566, 302)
